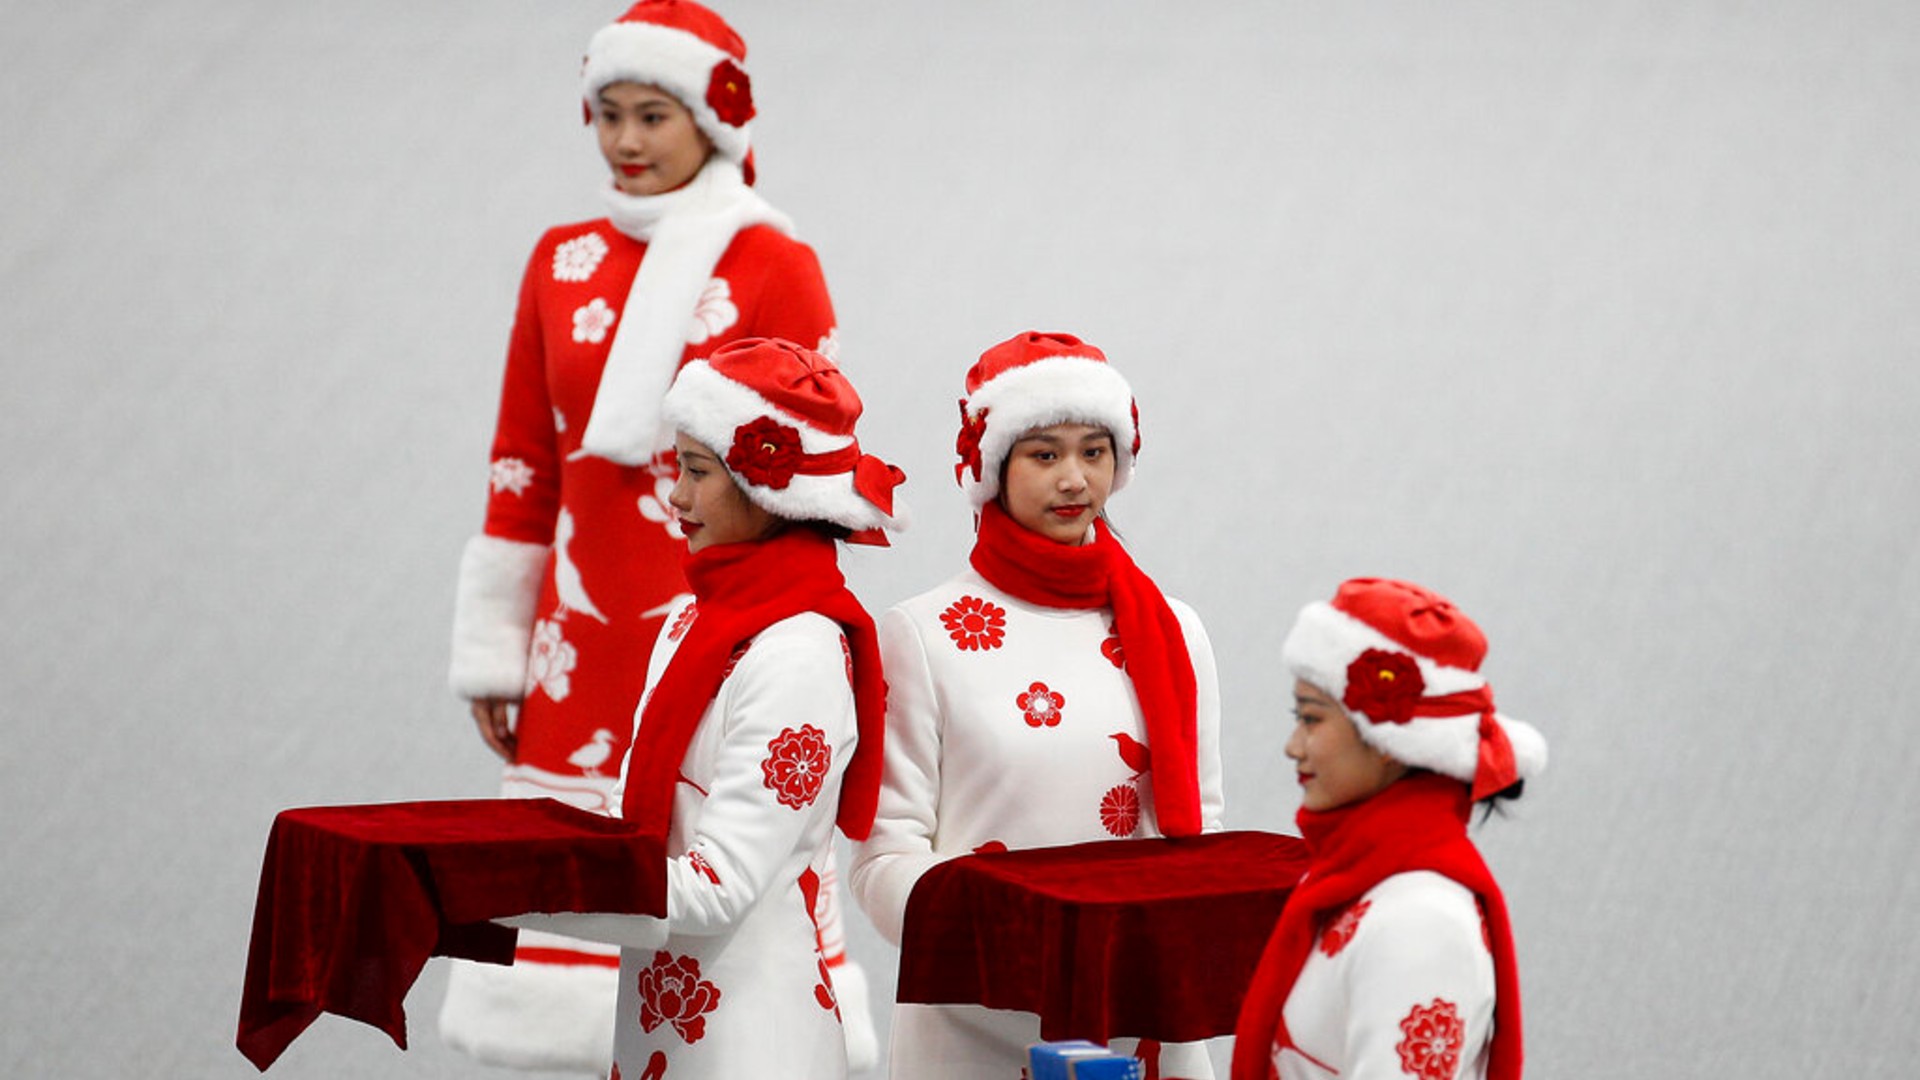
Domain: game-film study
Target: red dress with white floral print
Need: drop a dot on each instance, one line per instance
(1009, 725)
(1400, 984)
(605, 562)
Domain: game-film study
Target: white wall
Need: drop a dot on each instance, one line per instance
(1598, 317)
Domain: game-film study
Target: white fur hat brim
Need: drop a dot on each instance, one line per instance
(1325, 640)
(673, 60)
(1056, 390)
(709, 406)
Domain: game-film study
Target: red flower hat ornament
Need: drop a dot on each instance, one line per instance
(967, 444)
(765, 452)
(730, 94)
(1386, 686)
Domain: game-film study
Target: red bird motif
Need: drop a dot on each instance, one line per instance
(1133, 752)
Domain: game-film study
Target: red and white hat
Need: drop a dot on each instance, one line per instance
(689, 52)
(1405, 663)
(1033, 381)
(781, 416)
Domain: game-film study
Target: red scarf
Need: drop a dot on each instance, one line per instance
(741, 589)
(1025, 564)
(1417, 823)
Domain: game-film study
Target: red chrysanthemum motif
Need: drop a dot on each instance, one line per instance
(1041, 706)
(974, 623)
(1111, 649)
(1432, 1036)
(730, 94)
(1384, 685)
(682, 621)
(796, 765)
(672, 992)
(967, 445)
(765, 452)
(1343, 928)
(1120, 810)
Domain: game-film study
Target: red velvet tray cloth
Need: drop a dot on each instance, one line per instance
(354, 899)
(1154, 939)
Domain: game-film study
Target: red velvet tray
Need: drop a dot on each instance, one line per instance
(354, 899)
(1154, 939)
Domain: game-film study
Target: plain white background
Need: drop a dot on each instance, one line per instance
(1597, 316)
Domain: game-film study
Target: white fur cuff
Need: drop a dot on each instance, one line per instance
(493, 616)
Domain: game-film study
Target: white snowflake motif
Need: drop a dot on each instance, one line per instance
(829, 346)
(655, 509)
(550, 662)
(591, 323)
(578, 258)
(714, 313)
(510, 474)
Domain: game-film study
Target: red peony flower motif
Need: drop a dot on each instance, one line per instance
(974, 623)
(682, 621)
(1433, 1036)
(1041, 705)
(730, 93)
(796, 765)
(1336, 936)
(1120, 810)
(1384, 685)
(765, 452)
(967, 445)
(1111, 649)
(672, 992)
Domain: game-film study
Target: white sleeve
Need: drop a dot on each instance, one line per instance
(1206, 677)
(788, 699)
(493, 608)
(1420, 983)
(888, 863)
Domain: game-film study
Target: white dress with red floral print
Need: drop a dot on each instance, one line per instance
(562, 594)
(1009, 724)
(1398, 985)
(740, 987)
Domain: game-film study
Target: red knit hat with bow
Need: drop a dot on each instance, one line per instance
(686, 50)
(781, 417)
(1405, 664)
(1036, 380)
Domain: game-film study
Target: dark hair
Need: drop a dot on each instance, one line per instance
(1496, 804)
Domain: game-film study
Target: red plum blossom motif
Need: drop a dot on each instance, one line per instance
(765, 452)
(1384, 685)
(1120, 810)
(1343, 928)
(730, 93)
(975, 624)
(1111, 649)
(672, 992)
(1041, 706)
(796, 765)
(1432, 1036)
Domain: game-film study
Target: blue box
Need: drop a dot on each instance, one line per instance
(1080, 1060)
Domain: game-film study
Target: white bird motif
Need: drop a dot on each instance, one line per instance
(566, 576)
(594, 753)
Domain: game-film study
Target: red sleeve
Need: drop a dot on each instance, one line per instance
(789, 298)
(523, 493)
